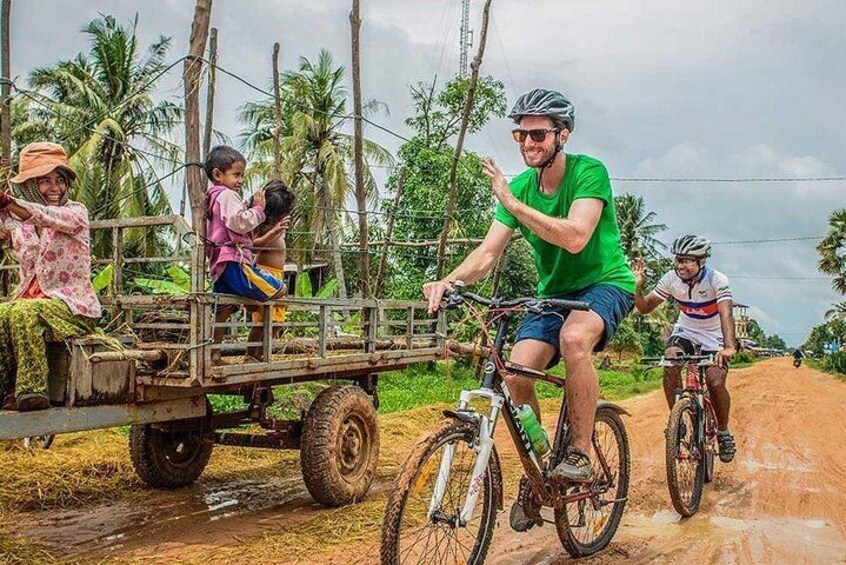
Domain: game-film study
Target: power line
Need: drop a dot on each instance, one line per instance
(770, 240)
(776, 278)
(727, 180)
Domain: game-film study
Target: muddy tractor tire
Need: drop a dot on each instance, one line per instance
(339, 448)
(169, 459)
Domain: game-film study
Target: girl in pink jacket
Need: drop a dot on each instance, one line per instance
(229, 227)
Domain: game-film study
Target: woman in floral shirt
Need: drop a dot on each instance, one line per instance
(55, 300)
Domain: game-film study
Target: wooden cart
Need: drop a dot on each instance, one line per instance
(159, 381)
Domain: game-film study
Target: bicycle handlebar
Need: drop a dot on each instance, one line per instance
(664, 361)
(457, 296)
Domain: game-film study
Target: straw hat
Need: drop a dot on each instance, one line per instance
(40, 158)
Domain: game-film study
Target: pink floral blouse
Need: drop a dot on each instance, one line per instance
(59, 259)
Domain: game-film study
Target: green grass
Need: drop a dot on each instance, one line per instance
(437, 383)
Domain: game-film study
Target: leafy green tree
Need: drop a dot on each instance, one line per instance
(317, 158)
(837, 312)
(756, 334)
(424, 164)
(101, 107)
(832, 331)
(775, 342)
(832, 250)
(626, 339)
(638, 232)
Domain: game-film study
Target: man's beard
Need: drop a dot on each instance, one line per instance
(543, 158)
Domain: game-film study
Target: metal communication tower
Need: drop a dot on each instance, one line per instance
(466, 37)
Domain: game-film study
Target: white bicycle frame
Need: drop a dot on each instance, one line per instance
(483, 448)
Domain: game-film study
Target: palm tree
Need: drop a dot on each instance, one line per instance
(832, 250)
(316, 157)
(100, 106)
(637, 232)
(836, 313)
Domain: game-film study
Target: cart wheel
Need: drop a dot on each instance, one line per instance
(339, 448)
(169, 458)
(39, 442)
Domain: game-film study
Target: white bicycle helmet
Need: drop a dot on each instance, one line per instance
(691, 245)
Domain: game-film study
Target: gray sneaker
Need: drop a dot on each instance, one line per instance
(525, 513)
(575, 468)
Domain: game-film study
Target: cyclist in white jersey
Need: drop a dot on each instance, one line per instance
(705, 324)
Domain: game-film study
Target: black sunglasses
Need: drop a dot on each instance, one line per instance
(537, 135)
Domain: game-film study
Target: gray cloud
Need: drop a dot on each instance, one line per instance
(662, 88)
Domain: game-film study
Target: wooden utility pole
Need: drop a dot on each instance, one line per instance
(6, 100)
(196, 183)
(209, 129)
(194, 176)
(360, 191)
(277, 106)
(459, 146)
(389, 230)
(5, 116)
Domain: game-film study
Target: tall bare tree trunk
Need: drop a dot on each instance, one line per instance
(6, 100)
(459, 146)
(5, 116)
(331, 226)
(209, 129)
(389, 230)
(277, 107)
(196, 183)
(360, 191)
(194, 176)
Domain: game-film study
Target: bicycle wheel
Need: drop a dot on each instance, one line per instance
(409, 533)
(684, 458)
(710, 447)
(588, 525)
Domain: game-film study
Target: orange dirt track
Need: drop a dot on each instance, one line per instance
(782, 500)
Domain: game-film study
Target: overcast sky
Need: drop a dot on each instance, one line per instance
(662, 89)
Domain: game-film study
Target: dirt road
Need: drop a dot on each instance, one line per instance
(783, 499)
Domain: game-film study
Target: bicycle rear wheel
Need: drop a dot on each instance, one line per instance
(410, 534)
(588, 525)
(685, 458)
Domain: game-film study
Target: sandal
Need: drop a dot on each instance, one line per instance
(31, 401)
(9, 403)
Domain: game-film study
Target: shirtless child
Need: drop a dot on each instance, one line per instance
(269, 242)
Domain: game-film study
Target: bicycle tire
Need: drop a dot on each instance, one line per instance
(414, 475)
(574, 538)
(684, 412)
(710, 424)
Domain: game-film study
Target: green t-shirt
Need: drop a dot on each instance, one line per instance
(602, 259)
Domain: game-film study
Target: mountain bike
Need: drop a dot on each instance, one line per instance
(443, 505)
(691, 434)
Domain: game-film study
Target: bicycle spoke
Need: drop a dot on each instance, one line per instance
(424, 540)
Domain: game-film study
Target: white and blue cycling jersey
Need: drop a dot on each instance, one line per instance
(699, 317)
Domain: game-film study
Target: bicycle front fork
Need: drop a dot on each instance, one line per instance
(483, 446)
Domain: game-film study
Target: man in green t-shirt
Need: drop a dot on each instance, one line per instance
(564, 207)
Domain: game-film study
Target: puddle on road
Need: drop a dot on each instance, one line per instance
(755, 466)
(165, 516)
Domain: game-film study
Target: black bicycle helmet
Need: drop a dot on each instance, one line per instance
(692, 245)
(543, 102)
